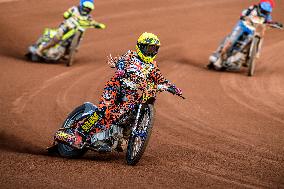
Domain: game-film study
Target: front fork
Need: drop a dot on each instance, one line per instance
(136, 120)
(259, 48)
(259, 32)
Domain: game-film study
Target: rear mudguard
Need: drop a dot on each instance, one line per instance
(89, 107)
(32, 56)
(65, 137)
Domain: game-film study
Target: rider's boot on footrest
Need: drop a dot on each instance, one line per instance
(78, 143)
(210, 66)
(119, 149)
(218, 63)
(245, 64)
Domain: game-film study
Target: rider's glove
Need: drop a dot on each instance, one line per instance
(174, 90)
(100, 26)
(178, 91)
(111, 61)
(277, 24)
(242, 18)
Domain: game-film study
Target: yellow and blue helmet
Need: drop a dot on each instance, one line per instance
(86, 6)
(147, 47)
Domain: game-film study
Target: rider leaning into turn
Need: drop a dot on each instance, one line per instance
(79, 13)
(262, 11)
(136, 71)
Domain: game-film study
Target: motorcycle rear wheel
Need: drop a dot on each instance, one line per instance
(65, 150)
(137, 144)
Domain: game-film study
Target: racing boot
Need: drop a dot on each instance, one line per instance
(78, 142)
(119, 147)
(218, 64)
(223, 56)
(213, 58)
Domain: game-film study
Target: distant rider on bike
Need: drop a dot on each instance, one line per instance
(262, 11)
(80, 13)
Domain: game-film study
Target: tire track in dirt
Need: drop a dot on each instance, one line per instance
(21, 102)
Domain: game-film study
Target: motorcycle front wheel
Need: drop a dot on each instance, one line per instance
(139, 139)
(252, 56)
(72, 49)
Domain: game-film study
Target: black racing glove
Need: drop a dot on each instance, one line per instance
(174, 90)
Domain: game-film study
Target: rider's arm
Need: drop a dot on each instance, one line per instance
(97, 24)
(268, 19)
(163, 83)
(246, 12)
(159, 78)
(67, 14)
(272, 23)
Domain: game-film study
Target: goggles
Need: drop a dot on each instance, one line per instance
(264, 12)
(149, 50)
(86, 10)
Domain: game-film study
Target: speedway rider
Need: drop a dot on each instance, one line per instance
(135, 71)
(261, 11)
(81, 13)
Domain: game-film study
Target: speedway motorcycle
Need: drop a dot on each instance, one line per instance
(66, 48)
(81, 131)
(244, 53)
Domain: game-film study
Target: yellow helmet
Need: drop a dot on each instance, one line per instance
(147, 47)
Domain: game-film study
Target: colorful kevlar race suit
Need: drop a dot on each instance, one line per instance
(246, 24)
(132, 75)
(72, 16)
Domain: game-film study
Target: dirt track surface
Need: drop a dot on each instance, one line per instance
(229, 133)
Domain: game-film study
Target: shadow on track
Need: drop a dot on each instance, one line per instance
(12, 39)
(197, 64)
(12, 143)
(191, 62)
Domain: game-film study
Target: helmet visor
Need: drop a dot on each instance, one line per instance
(149, 50)
(264, 12)
(86, 10)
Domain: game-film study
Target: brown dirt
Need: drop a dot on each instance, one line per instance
(228, 133)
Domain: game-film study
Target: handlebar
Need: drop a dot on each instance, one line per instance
(172, 91)
(92, 25)
(181, 97)
(276, 25)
